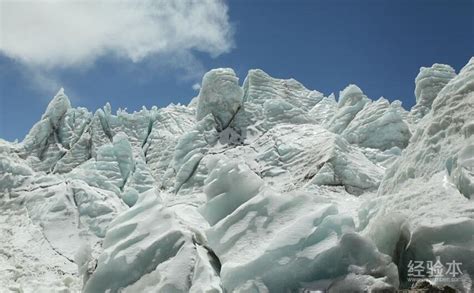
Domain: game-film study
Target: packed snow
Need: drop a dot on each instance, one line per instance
(264, 186)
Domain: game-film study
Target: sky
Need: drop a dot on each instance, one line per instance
(136, 53)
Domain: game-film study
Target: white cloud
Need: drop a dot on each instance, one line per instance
(196, 86)
(62, 33)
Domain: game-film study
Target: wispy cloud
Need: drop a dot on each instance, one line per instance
(196, 86)
(60, 33)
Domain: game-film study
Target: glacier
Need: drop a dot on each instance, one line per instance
(259, 186)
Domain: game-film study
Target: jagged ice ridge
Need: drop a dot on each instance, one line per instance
(261, 187)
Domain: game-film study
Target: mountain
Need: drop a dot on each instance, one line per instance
(264, 187)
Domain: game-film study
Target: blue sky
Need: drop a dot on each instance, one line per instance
(155, 60)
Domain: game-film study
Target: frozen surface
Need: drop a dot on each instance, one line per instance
(280, 241)
(426, 195)
(429, 82)
(294, 157)
(150, 248)
(261, 187)
(220, 95)
(351, 101)
(379, 125)
(228, 186)
(442, 135)
(28, 262)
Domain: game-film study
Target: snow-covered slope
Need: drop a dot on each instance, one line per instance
(264, 187)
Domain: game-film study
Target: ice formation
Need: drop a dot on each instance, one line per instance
(429, 82)
(261, 187)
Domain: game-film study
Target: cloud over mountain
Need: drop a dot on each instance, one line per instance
(58, 34)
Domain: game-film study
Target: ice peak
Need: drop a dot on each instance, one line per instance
(332, 97)
(220, 95)
(350, 95)
(258, 73)
(429, 82)
(57, 107)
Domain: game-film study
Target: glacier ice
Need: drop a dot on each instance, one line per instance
(168, 125)
(259, 87)
(220, 95)
(351, 101)
(282, 241)
(439, 136)
(322, 111)
(14, 172)
(429, 82)
(310, 154)
(150, 248)
(379, 125)
(227, 187)
(430, 185)
(261, 187)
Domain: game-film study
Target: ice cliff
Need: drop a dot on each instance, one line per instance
(261, 187)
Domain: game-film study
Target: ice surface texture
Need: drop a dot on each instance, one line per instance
(429, 82)
(220, 95)
(261, 187)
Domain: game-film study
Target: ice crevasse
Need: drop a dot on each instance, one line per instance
(255, 186)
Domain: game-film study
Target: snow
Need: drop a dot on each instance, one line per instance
(264, 187)
(28, 262)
